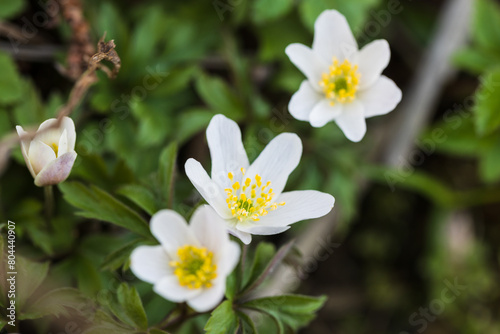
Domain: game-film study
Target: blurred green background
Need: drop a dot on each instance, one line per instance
(398, 245)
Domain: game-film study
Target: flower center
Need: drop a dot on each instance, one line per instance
(341, 81)
(195, 268)
(252, 200)
(55, 147)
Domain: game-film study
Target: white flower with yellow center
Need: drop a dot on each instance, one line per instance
(343, 83)
(250, 198)
(50, 155)
(192, 262)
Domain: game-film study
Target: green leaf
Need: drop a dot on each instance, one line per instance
(486, 24)
(487, 108)
(98, 204)
(166, 171)
(29, 277)
(219, 96)
(56, 303)
(191, 122)
(120, 256)
(223, 320)
(131, 304)
(10, 9)
(265, 10)
(263, 255)
(140, 195)
(489, 164)
(157, 331)
(263, 266)
(246, 323)
(293, 311)
(475, 60)
(11, 88)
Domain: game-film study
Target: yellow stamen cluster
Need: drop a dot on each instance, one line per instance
(195, 268)
(251, 199)
(340, 83)
(55, 147)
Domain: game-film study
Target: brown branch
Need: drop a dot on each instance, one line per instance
(81, 47)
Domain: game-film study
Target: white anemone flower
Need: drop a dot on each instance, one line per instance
(50, 155)
(192, 262)
(343, 83)
(250, 197)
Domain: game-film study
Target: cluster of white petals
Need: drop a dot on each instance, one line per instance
(343, 84)
(50, 155)
(250, 197)
(161, 265)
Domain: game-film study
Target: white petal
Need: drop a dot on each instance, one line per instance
(308, 63)
(333, 37)
(208, 298)
(172, 231)
(352, 121)
(229, 258)
(150, 263)
(68, 125)
(299, 205)
(40, 154)
(381, 98)
(245, 237)
(62, 147)
(208, 189)
(303, 101)
(372, 60)
(210, 229)
(256, 228)
(323, 113)
(24, 148)
(278, 159)
(57, 170)
(226, 149)
(48, 133)
(169, 288)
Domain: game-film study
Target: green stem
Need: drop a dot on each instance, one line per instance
(49, 202)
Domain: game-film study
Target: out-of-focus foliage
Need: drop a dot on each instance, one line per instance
(183, 62)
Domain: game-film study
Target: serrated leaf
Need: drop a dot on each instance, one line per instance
(140, 195)
(294, 311)
(98, 204)
(223, 320)
(131, 304)
(487, 106)
(166, 171)
(219, 96)
(56, 303)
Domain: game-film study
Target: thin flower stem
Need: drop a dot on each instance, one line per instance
(49, 202)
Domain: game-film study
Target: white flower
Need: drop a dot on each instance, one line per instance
(250, 197)
(51, 153)
(192, 261)
(343, 83)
